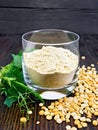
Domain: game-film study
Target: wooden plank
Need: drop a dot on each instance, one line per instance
(8, 46)
(10, 117)
(84, 4)
(22, 20)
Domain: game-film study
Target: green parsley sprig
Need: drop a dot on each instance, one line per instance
(12, 85)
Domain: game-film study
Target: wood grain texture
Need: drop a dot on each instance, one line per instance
(88, 4)
(20, 20)
(20, 16)
(9, 45)
(9, 117)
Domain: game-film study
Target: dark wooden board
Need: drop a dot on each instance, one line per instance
(77, 4)
(20, 20)
(9, 117)
(9, 45)
(19, 16)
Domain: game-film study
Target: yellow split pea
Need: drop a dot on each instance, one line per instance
(23, 120)
(83, 103)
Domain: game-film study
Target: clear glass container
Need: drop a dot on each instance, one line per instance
(50, 61)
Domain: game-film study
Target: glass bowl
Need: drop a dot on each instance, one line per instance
(50, 61)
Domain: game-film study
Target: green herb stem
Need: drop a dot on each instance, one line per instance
(23, 88)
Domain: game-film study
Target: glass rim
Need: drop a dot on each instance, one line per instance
(64, 31)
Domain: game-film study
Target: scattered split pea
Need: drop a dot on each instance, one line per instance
(84, 102)
(23, 120)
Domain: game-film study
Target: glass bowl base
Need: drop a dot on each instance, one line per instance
(55, 94)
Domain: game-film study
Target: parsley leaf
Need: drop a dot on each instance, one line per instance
(12, 82)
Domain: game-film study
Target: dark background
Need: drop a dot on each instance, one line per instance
(19, 16)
